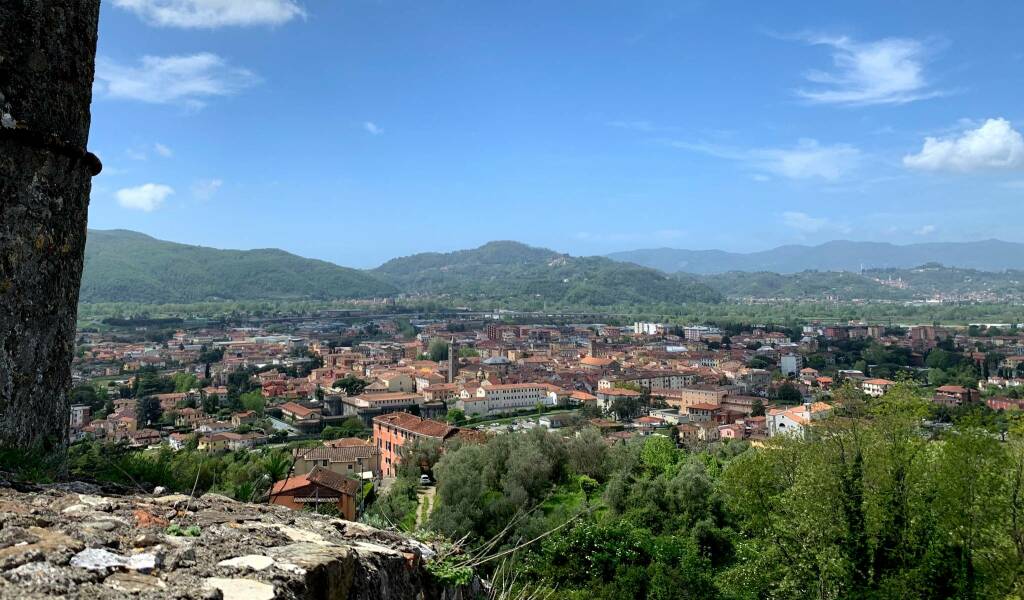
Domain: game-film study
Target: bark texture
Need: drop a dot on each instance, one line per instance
(47, 61)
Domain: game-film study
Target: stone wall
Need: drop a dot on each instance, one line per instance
(74, 541)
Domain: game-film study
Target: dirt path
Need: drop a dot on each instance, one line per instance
(425, 497)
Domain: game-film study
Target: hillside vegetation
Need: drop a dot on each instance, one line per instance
(922, 282)
(511, 272)
(839, 255)
(125, 266)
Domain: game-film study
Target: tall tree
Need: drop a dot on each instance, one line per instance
(47, 62)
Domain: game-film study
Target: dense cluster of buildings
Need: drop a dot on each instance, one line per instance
(695, 382)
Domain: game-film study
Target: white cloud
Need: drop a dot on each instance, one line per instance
(147, 198)
(372, 128)
(163, 150)
(644, 126)
(807, 160)
(925, 230)
(804, 222)
(172, 79)
(204, 189)
(887, 71)
(210, 14)
(993, 145)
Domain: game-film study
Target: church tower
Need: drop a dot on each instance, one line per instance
(453, 357)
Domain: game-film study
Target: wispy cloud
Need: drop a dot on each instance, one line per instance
(804, 222)
(142, 152)
(925, 230)
(995, 145)
(887, 71)
(372, 128)
(163, 150)
(639, 125)
(808, 159)
(204, 189)
(188, 79)
(147, 197)
(211, 14)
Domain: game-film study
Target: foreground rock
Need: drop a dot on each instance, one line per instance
(74, 542)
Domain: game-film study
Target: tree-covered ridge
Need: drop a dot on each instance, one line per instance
(837, 255)
(515, 273)
(920, 282)
(125, 266)
(808, 284)
(934, 277)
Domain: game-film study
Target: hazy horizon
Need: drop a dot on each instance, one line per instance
(461, 248)
(357, 131)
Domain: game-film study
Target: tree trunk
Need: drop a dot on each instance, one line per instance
(47, 58)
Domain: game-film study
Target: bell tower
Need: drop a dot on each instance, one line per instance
(453, 357)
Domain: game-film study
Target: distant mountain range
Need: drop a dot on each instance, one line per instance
(125, 266)
(987, 255)
(528, 276)
(927, 281)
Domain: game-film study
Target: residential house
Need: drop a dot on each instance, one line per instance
(794, 420)
(877, 387)
(393, 431)
(320, 487)
(609, 396)
(359, 461)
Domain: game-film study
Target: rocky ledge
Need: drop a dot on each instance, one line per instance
(74, 541)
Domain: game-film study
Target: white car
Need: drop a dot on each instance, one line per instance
(424, 479)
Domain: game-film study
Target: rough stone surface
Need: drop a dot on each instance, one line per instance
(47, 55)
(244, 551)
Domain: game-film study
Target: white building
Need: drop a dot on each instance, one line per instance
(793, 420)
(876, 387)
(697, 332)
(80, 416)
(790, 364)
(642, 328)
(654, 380)
(496, 399)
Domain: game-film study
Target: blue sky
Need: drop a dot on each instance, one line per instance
(356, 130)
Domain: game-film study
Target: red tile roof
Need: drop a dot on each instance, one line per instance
(297, 409)
(328, 479)
(414, 424)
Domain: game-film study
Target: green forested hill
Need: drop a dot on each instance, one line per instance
(921, 282)
(125, 266)
(838, 255)
(514, 272)
(805, 285)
